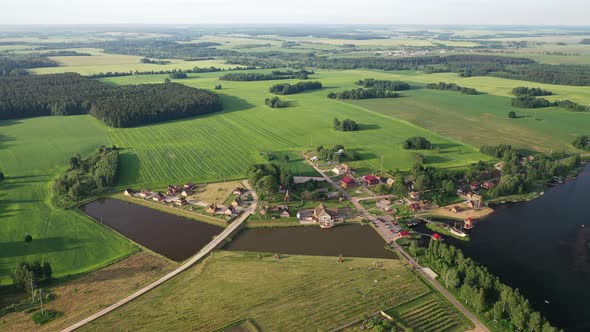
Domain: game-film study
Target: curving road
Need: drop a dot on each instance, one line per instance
(202, 253)
(390, 238)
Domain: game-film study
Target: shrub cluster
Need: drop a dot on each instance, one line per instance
(345, 125)
(275, 102)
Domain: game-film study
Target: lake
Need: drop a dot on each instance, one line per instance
(175, 237)
(541, 248)
(349, 240)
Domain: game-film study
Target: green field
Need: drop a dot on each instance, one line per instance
(295, 293)
(223, 145)
(32, 153)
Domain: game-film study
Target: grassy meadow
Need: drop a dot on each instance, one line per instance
(295, 293)
(222, 146)
(32, 152)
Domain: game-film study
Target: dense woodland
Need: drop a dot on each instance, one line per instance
(452, 87)
(275, 75)
(289, 89)
(123, 106)
(86, 177)
(361, 93)
(383, 84)
(266, 178)
(17, 65)
(162, 49)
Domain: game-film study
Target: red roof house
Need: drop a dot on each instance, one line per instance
(403, 233)
(436, 236)
(347, 182)
(370, 180)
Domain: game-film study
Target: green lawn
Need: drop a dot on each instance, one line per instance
(223, 145)
(295, 293)
(32, 153)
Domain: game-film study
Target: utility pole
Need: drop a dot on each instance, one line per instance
(41, 298)
(381, 165)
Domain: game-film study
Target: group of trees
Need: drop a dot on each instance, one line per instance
(124, 106)
(275, 102)
(288, 89)
(337, 153)
(86, 177)
(29, 276)
(417, 143)
(161, 72)
(345, 125)
(481, 290)
(154, 62)
(581, 142)
(1, 176)
(275, 75)
(383, 84)
(361, 93)
(18, 65)
(178, 75)
(452, 87)
(526, 101)
(533, 92)
(266, 178)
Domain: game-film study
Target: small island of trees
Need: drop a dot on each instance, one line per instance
(275, 102)
(288, 89)
(533, 92)
(452, 87)
(417, 143)
(361, 93)
(383, 84)
(345, 125)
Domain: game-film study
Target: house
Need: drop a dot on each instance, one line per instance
(456, 209)
(499, 166)
(189, 186)
(415, 207)
(239, 191)
(186, 192)
(180, 202)
(143, 193)
(235, 202)
(403, 233)
(325, 217)
(230, 211)
(341, 169)
(436, 236)
(173, 190)
(414, 194)
(474, 185)
(347, 182)
(370, 180)
(129, 192)
(158, 197)
(390, 182)
(488, 185)
(285, 213)
(468, 223)
(212, 209)
(282, 189)
(314, 158)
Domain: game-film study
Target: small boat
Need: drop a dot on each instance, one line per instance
(546, 301)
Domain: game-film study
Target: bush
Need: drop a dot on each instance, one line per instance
(178, 75)
(582, 143)
(512, 115)
(28, 238)
(44, 317)
(275, 102)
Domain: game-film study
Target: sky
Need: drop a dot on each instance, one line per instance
(429, 12)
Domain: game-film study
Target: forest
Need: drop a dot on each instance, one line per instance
(124, 106)
(289, 89)
(533, 92)
(361, 93)
(86, 177)
(383, 84)
(452, 87)
(17, 65)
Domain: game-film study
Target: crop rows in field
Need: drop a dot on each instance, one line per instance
(429, 314)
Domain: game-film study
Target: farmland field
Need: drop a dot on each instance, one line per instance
(32, 153)
(224, 145)
(295, 293)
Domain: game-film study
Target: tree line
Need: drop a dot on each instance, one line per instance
(123, 106)
(345, 125)
(383, 84)
(173, 71)
(533, 92)
(288, 89)
(275, 102)
(86, 177)
(18, 65)
(361, 93)
(274, 75)
(527, 101)
(452, 87)
(475, 286)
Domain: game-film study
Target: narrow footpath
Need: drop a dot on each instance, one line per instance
(202, 253)
(390, 238)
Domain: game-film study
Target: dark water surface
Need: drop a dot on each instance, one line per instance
(172, 236)
(349, 240)
(531, 246)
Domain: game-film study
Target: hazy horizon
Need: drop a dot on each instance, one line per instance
(266, 12)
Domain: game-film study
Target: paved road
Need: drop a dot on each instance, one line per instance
(390, 238)
(202, 253)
